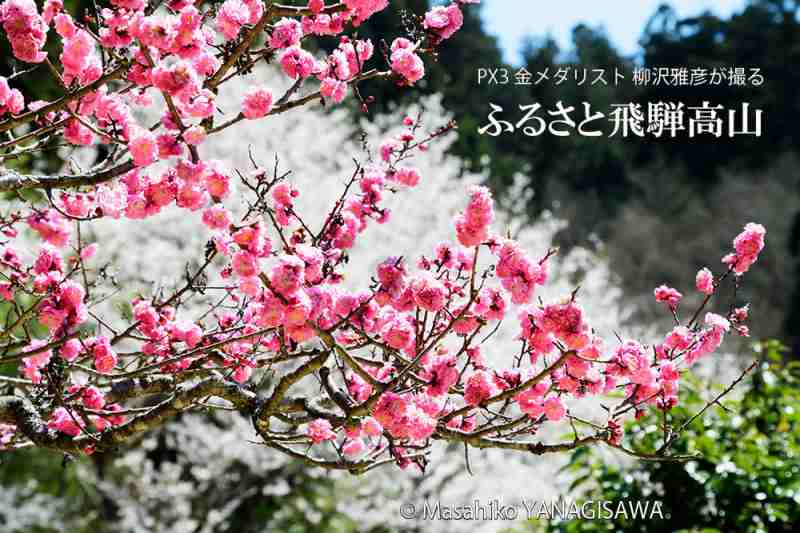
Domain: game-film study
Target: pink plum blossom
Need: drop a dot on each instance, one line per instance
(320, 430)
(257, 103)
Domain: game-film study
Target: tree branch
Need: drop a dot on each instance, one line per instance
(11, 180)
(22, 413)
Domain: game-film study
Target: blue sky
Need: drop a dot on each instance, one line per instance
(623, 20)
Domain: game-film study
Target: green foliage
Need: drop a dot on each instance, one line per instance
(748, 479)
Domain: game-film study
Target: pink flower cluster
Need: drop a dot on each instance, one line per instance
(444, 21)
(105, 359)
(143, 147)
(564, 323)
(361, 10)
(51, 226)
(668, 295)
(405, 61)
(232, 15)
(188, 185)
(747, 245)
(519, 275)
(472, 226)
(320, 23)
(297, 63)
(79, 57)
(479, 388)
(64, 308)
(33, 364)
(72, 423)
(283, 195)
(11, 100)
(257, 103)
(341, 66)
(66, 422)
(413, 416)
(648, 383)
(441, 373)
(704, 281)
(407, 416)
(25, 29)
(286, 32)
(299, 297)
(320, 430)
(165, 333)
(535, 403)
(174, 53)
(429, 293)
